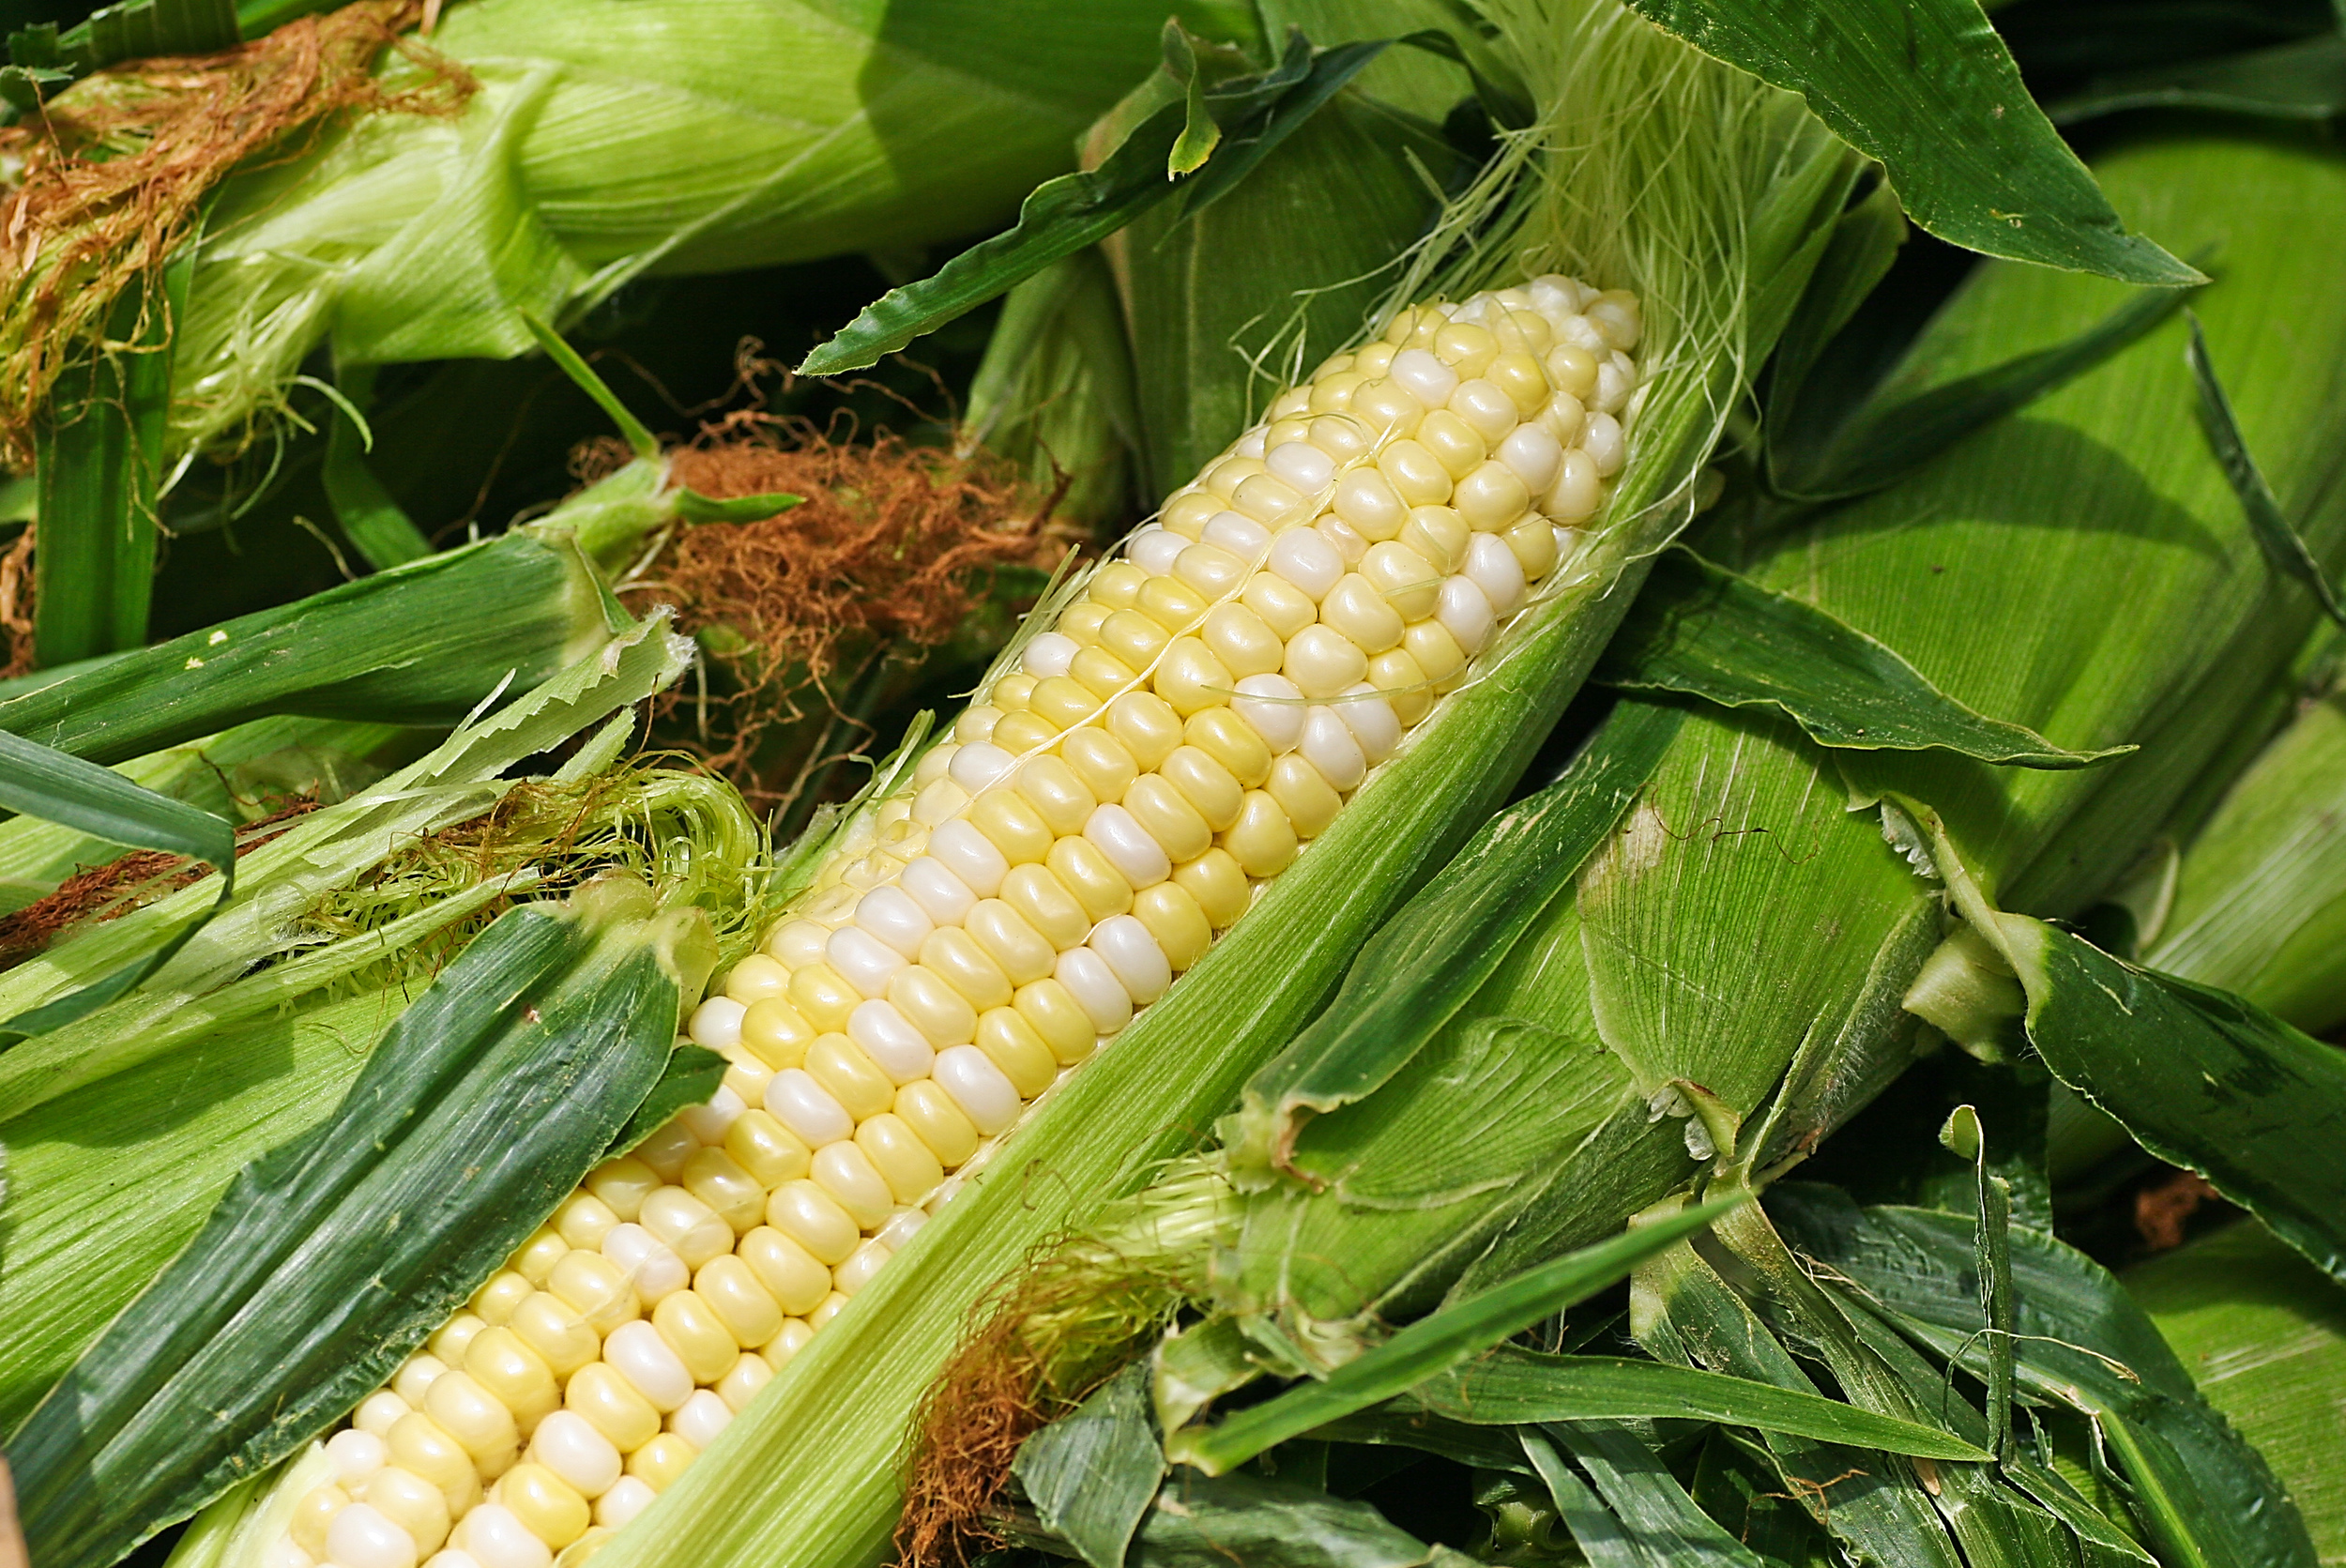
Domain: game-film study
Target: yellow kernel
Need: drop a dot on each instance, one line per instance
(1332, 393)
(769, 1152)
(661, 1463)
(1118, 584)
(1535, 545)
(1528, 327)
(1577, 490)
(555, 1333)
(1361, 613)
(1013, 1046)
(813, 1218)
(1395, 674)
(665, 1149)
(313, 1515)
(1191, 679)
(1386, 408)
(942, 1014)
(976, 724)
(1225, 476)
(786, 1343)
(1021, 733)
(1012, 826)
(536, 1257)
(623, 1184)
(1279, 603)
(1308, 800)
(473, 1416)
(832, 1305)
(411, 1502)
(739, 1386)
(1416, 475)
(794, 1277)
(1231, 742)
(422, 1448)
(1213, 571)
(1572, 369)
(1435, 649)
(502, 1362)
(713, 1176)
(1406, 579)
(932, 1115)
(453, 1335)
(910, 1166)
(1057, 793)
(755, 979)
(1403, 325)
(1101, 673)
(611, 1406)
(1174, 919)
(1171, 603)
(1043, 900)
(822, 998)
(1466, 347)
(1133, 638)
(1085, 871)
(954, 956)
(1205, 783)
(1081, 622)
(1440, 535)
(1491, 497)
(544, 1503)
(1064, 702)
(1486, 407)
(1010, 694)
(775, 1033)
(1240, 639)
(695, 1334)
(1099, 761)
(495, 1301)
(1218, 884)
(1262, 841)
(1367, 501)
(1375, 360)
(1267, 501)
(1055, 1016)
(1518, 375)
(1187, 513)
(1457, 445)
(583, 1221)
(1169, 817)
(851, 1077)
(846, 1173)
(597, 1289)
(1010, 941)
(729, 1288)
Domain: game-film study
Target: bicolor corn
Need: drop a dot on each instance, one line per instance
(1189, 723)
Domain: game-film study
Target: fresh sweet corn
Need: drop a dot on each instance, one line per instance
(1169, 746)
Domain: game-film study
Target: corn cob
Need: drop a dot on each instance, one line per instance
(1187, 725)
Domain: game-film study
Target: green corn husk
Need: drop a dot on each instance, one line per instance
(2263, 1333)
(611, 140)
(1054, 394)
(1716, 234)
(1722, 986)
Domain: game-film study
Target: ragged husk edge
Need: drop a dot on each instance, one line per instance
(1652, 168)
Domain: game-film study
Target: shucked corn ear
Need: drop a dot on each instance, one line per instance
(1198, 715)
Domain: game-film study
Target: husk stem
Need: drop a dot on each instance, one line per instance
(1715, 233)
(1722, 986)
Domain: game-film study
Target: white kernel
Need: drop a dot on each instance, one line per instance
(710, 1121)
(739, 1386)
(1118, 834)
(414, 1378)
(1617, 316)
(855, 1273)
(1493, 567)
(656, 1272)
(284, 1553)
(1273, 705)
(717, 1023)
(1602, 441)
(901, 1227)
(891, 915)
(637, 1353)
(891, 1041)
(497, 1539)
(1371, 720)
(1047, 654)
(361, 1537)
(1250, 445)
(1534, 452)
(932, 763)
(1428, 380)
(1302, 466)
(699, 1419)
(1237, 533)
(1328, 745)
(1154, 550)
(630, 1496)
(1554, 295)
(799, 1103)
(862, 960)
(1095, 988)
(944, 897)
(378, 1412)
(1304, 558)
(976, 765)
(452, 1557)
(1463, 612)
(568, 1444)
(1131, 954)
(970, 855)
(1578, 331)
(1613, 385)
(356, 1456)
(987, 1098)
(1350, 543)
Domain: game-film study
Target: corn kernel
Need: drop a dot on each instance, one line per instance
(545, 1504)
(661, 1463)
(764, 1147)
(932, 1115)
(611, 1406)
(1013, 1045)
(1100, 762)
(849, 1077)
(845, 1172)
(942, 1014)
(811, 1217)
(796, 1279)
(556, 1331)
(422, 1448)
(1013, 945)
(1057, 1019)
(1089, 874)
(504, 1365)
(908, 1166)
(730, 1191)
(1174, 919)
(1148, 727)
(536, 1257)
(473, 1416)
(1218, 884)
(775, 1033)
(822, 996)
(411, 1502)
(697, 1335)
(596, 1288)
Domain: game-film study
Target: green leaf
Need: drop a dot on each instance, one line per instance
(694, 507)
(1658, 1522)
(1215, 1521)
(2301, 81)
(1199, 134)
(1257, 135)
(1865, 244)
(1515, 1387)
(376, 523)
(1092, 1474)
(1409, 981)
(330, 1258)
(1436, 1342)
(2282, 547)
(1974, 160)
(639, 440)
(40, 782)
(690, 1076)
(1704, 630)
(139, 29)
(1883, 443)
